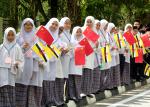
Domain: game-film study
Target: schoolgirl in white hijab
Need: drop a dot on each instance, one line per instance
(65, 36)
(103, 27)
(129, 62)
(115, 67)
(75, 71)
(97, 60)
(87, 79)
(53, 84)
(28, 84)
(105, 66)
(11, 65)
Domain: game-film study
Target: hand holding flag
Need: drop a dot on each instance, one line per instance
(91, 34)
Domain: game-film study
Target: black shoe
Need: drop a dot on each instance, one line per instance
(67, 101)
(90, 96)
(138, 80)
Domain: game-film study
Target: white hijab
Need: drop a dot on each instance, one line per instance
(62, 23)
(109, 34)
(126, 26)
(6, 43)
(63, 20)
(103, 23)
(27, 36)
(93, 22)
(110, 26)
(47, 26)
(96, 22)
(73, 36)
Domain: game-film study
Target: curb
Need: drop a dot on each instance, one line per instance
(107, 94)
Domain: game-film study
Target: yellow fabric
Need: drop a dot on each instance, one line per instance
(57, 51)
(122, 42)
(48, 53)
(109, 58)
(108, 54)
(147, 70)
(134, 53)
(103, 54)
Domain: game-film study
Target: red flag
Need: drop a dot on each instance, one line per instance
(44, 34)
(146, 40)
(79, 56)
(90, 34)
(88, 49)
(129, 37)
(139, 59)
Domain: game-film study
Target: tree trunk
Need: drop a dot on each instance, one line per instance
(54, 7)
(74, 12)
(41, 10)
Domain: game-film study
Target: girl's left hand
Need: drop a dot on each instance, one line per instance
(97, 44)
(41, 64)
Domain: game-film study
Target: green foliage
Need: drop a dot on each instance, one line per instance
(117, 11)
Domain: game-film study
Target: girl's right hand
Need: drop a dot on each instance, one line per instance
(26, 45)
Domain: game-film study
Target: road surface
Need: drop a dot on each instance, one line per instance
(134, 98)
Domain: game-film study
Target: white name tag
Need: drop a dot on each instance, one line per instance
(8, 60)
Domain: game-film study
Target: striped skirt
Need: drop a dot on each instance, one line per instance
(59, 91)
(7, 96)
(96, 79)
(106, 79)
(126, 74)
(75, 82)
(34, 96)
(48, 98)
(116, 76)
(21, 95)
(87, 81)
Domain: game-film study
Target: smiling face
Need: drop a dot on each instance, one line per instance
(98, 25)
(79, 33)
(28, 26)
(11, 36)
(89, 23)
(54, 26)
(67, 24)
(129, 28)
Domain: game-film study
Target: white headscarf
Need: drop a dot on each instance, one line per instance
(6, 43)
(47, 26)
(63, 20)
(96, 22)
(93, 21)
(27, 36)
(103, 23)
(110, 26)
(127, 25)
(109, 35)
(73, 36)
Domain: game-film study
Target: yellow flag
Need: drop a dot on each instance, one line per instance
(119, 40)
(42, 51)
(109, 58)
(103, 54)
(55, 50)
(133, 52)
(147, 70)
(46, 52)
